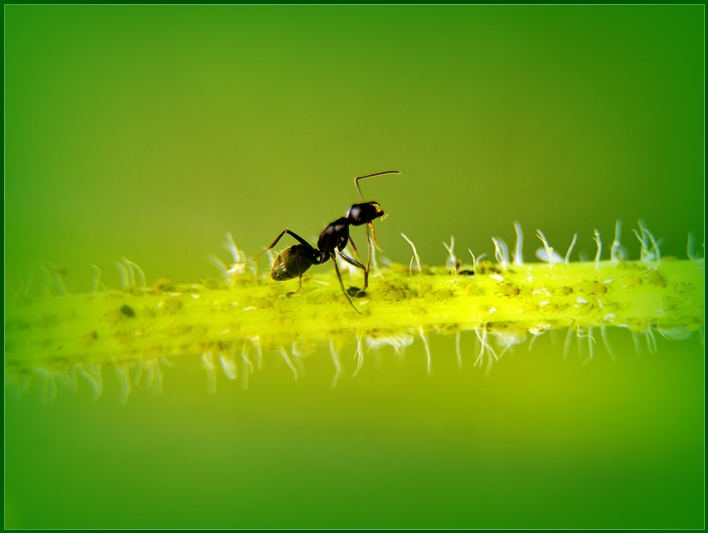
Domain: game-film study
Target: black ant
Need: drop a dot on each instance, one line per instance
(295, 260)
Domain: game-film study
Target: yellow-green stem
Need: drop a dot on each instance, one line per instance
(225, 321)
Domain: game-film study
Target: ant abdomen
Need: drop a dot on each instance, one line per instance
(292, 262)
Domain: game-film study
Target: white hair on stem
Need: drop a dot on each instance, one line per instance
(427, 347)
(451, 261)
(123, 375)
(96, 371)
(501, 252)
(474, 261)
(58, 279)
(337, 363)
(537, 331)
(359, 354)
(656, 253)
(647, 254)
(228, 364)
(689, 247)
(97, 284)
(208, 360)
(256, 341)
(570, 248)
(484, 347)
(124, 275)
(131, 274)
(415, 256)
(635, 340)
(240, 260)
(518, 251)
(591, 340)
(221, 266)
(248, 365)
(298, 358)
(651, 339)
(230, 245)
(398, 342)
(49, 382)
(155, 371)
(138, 371)
(567, 342)
(547, 253)
(288, 362)
(598, 241)
(615, 250)
(132, 266)
(457, 350)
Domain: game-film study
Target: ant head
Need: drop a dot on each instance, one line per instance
(360, 214)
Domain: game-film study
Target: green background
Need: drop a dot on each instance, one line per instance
(148, 132)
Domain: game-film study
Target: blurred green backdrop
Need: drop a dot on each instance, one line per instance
(148, 132)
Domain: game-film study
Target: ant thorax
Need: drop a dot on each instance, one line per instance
(360, 214)
(334, 237)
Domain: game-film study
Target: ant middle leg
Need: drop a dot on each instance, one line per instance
(358, 264)
(339, 277)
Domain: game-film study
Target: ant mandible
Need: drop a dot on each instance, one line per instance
(295, 260)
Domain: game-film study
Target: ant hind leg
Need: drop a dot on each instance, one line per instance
(299, 278)
(280, 236)
(341, 283)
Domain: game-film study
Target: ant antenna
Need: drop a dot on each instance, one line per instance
(356, 180)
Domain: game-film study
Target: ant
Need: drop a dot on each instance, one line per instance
(295, 260)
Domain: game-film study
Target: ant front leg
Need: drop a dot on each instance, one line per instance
(369, 239)
(373, 233)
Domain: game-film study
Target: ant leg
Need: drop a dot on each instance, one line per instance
(280, 236)
(373, 233)
(351, 261)
(299, 277)
(341, 283)
(368, 261)
(351, 241)
(357, 264)
(370, 252)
